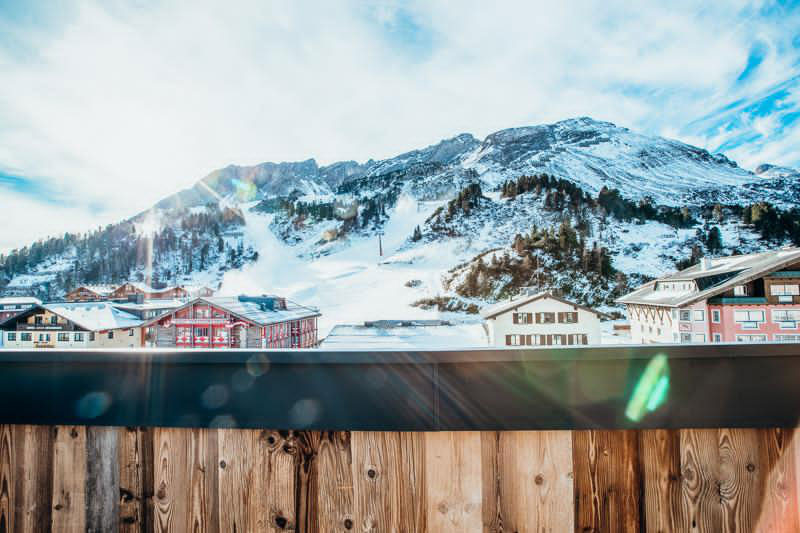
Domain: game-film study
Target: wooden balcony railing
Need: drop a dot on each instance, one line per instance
(655, 438)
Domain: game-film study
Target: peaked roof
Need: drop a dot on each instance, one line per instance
(91, 316)
(251, 311)
(714, 276)
(503, 307)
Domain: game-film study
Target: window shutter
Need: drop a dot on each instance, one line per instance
(508, 340)
(528, 340)
(538, 318)
(515, 318)
(530, 318)
(560, 318)
(549, 340)
(585, 339)
(571, 339)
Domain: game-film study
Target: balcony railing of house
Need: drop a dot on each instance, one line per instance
(657, 438)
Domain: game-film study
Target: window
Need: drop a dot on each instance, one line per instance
(53, 320)
(110, 334)
(44, 337)
(201, 332)
(38, 320)
(717, 337)
(749, 319)
(658, 331)
(741, 290)
(700, 337)
(63, 337)
(91, 336)
(545, 318)
(12, 336)
(699, 315)
(686, 337)
(786, 318)
(522, 318)
(715, 316)
(686, 314)
(130, 332)
(25, 337)
(78, 337)
(568, 318)
(789, 290)
(751, 338)
(787, 338)
(513, 340)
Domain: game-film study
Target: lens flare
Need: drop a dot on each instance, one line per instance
(651, 390)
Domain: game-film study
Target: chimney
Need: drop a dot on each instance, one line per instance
(705, 263)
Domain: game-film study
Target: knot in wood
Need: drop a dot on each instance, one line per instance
(371, 473)
(73, 433)
(539, 479)
(222, 464)
(348, 524)
(751, 467)
(280, 521)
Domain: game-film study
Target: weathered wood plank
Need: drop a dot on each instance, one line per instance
(700, 480)
(102, 479)
(7, 476)
(607, 481)
(453, 481)
(279, 474)
(69, 479)
(334, 503)
(238, 489)
(203, 481)
(779, 510)
(490, 482)
(33, 481)
(171, 479)
(536, 480)
(388, 481)
(660, 456)
(135, 480)
(742, 479)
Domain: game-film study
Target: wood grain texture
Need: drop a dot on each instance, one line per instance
(742, 476)
(660, 456)
(7, 476)
(203, 481)
(779, 509)
(102, 479)
(536, 478)
(69, 479)
(135, 479)
(33, 480)
(701, 508)
(453, 481)
(171, 449)
(334, 499)
(388, 481)
(607, 481)
(490, 482)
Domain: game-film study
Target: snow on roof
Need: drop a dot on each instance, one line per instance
(100, 289)
(157, 303)
(94, 316)
(20, 300)
(722, 273)
(386, 336)
(522, 299)
(252, 311)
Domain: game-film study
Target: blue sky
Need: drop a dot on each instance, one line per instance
(106, 107)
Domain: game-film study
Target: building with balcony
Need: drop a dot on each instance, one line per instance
(741, 298)
(541, 319)
(72, 325)
(235, 322)
(89, 293)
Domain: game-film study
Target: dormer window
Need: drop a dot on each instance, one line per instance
(740, 290)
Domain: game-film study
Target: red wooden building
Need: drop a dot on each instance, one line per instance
(235, 322)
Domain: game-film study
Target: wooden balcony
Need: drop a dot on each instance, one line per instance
(490, 440)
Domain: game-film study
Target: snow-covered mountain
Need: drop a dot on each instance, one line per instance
(591, 153)
(581, 206)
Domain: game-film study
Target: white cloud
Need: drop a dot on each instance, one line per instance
(123, 105)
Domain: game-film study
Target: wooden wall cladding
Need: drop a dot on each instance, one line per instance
(76, 478)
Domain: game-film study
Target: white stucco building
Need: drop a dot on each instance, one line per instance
(541, 319)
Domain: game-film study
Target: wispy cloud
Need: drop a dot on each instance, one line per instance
(120, 104)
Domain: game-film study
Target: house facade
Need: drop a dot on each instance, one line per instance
(72, 325)
(235, 322)
(745, 298)
(89, 293)
(126, 290)
(541, 319)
